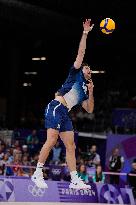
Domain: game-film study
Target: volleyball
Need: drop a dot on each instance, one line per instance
(107, 25)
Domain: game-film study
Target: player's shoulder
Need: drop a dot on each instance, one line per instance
(75, 70)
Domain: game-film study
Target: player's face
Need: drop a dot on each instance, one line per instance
(87, 72)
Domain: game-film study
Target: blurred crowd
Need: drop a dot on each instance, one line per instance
(25, 153)
(20, 158)
(99, 121)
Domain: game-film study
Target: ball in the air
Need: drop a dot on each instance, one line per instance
(107, 25)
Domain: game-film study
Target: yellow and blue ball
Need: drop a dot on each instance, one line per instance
(107, 25)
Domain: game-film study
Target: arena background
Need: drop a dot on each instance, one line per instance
(38, 45)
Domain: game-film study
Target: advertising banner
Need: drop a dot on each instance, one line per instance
(24, 190)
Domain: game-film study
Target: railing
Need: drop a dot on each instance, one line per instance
(48, 167)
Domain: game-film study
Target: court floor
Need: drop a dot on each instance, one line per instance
(46, 203)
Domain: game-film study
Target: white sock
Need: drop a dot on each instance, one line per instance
(73, 174)
(39, 167)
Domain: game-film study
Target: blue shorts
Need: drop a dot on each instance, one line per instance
(57, 117)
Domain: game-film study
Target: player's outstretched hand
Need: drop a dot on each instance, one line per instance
(87, 25)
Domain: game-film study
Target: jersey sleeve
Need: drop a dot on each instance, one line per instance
(73, 70)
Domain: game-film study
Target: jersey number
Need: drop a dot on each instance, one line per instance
(84, 87)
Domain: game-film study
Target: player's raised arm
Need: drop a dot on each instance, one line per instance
(82, 45)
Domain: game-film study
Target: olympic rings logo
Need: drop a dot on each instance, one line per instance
(56, 171)
(35, 191)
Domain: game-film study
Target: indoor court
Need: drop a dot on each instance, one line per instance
(67, 102)
(46, 203)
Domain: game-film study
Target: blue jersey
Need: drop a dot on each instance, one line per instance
(74, 90)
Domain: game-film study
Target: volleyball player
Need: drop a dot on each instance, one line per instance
(77, 89)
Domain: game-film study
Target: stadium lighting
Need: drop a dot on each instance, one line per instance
(30, 73)
(98, 71)
(27, 84)
(43, 58)
(36, 59)
(39, 59)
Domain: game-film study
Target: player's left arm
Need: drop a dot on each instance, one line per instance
(88, 104)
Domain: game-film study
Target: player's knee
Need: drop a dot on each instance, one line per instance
(70, 147)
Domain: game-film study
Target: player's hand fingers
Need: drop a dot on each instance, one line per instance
(91, 27)
(90, 85)
(89, 20)
(90, 81)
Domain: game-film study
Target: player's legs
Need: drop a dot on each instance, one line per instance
(37, 178)
(68, 139)
(52, 136)
(52, 123)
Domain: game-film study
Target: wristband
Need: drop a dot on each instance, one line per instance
(85, 32)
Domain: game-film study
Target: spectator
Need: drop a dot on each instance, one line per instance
(4, 162)
(33, 142)
(1, 152)
(9, 151)
(1, 170)
(132, 179)
(80, 161)
(3, 147)
(81, 156)
(34, 163)
(116, 162)
(16, 147)
(17, 162)
(25, 162)
(56, 153)
(35, 160)
(17, 153)
(33, 138)
(93, 158)
(83, 173)
(99, 176)
(25, 150)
